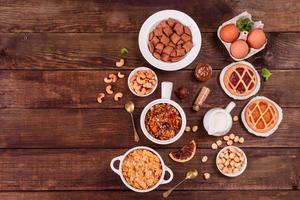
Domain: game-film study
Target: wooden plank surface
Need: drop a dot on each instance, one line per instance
(102, 128)
(56, 141)
(88, 169)
(108, 195)
(94, 51)
(128, 16)
(78, 89)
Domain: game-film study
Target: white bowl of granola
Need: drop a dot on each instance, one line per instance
(163, 120)
(141, 169)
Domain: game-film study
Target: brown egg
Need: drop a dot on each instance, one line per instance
(229, 33)
(239, 49)
(256, 38)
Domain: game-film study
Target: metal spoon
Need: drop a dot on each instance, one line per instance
(129, 107)
(191, 174)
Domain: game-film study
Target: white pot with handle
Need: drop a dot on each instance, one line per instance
(118, 170)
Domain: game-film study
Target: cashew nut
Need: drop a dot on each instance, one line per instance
(120, 63)
(100, 96)
(113, 77)
(149, 75)
(147, 85)
(109, 90)
(118, 96)
(140, 81)
(120, 75)
(141, 92)
(107, 80)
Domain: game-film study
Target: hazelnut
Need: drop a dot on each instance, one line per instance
(182, 92)
(187, 129)
(229, 142)
(219, 142)
(214, 146)
(235, 118)
(226, 137)
(241, 140)
(204, 159)
(195, 129)
(206, 176)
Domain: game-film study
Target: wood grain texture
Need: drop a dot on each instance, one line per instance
(114, 195)
(95, 51)
(128, 16)
(102, 128)
(78, 89)
(82, 169)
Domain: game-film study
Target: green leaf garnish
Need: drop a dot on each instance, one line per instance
(244, 24)
(265, 73)
(123, 51)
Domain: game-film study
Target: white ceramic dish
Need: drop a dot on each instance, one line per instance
(243, 34)
(166, 91)
(243, 167)
(133, 72)
(270, 132)
(229, 93)
(161, 181)
(152, 22)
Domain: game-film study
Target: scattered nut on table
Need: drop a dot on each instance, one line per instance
(219, 142)
(182, 92)
(109, 90)
(113, 77)
(107, 80)
(204, 159)
(236, 138)
(235, 118)
(226, 137)
(231, 136)
(206, 176)
(214, 146)
(120, 75)
(229, 142)
(100, 96)
(120, 63)
(241, 140)
(194, 128)
(187, 129)
(118, 96)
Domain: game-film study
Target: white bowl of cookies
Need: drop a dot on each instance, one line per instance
(231, 161)
(170, 40)
(142, 81)
(141, 169)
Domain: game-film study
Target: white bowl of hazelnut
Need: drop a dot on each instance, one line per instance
(231, 161)
(142, 81)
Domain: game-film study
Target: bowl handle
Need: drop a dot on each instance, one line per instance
(171, 176)
(112, 162)
(166, 89)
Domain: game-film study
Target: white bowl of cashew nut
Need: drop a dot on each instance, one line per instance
(142, 81)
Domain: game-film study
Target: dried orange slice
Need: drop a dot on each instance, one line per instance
(186, 153)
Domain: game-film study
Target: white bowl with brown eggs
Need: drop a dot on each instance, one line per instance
(231, 161)
(142, 81)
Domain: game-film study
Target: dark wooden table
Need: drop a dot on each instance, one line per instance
(57, 142)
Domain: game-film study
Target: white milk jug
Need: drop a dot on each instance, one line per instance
(218, 121)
